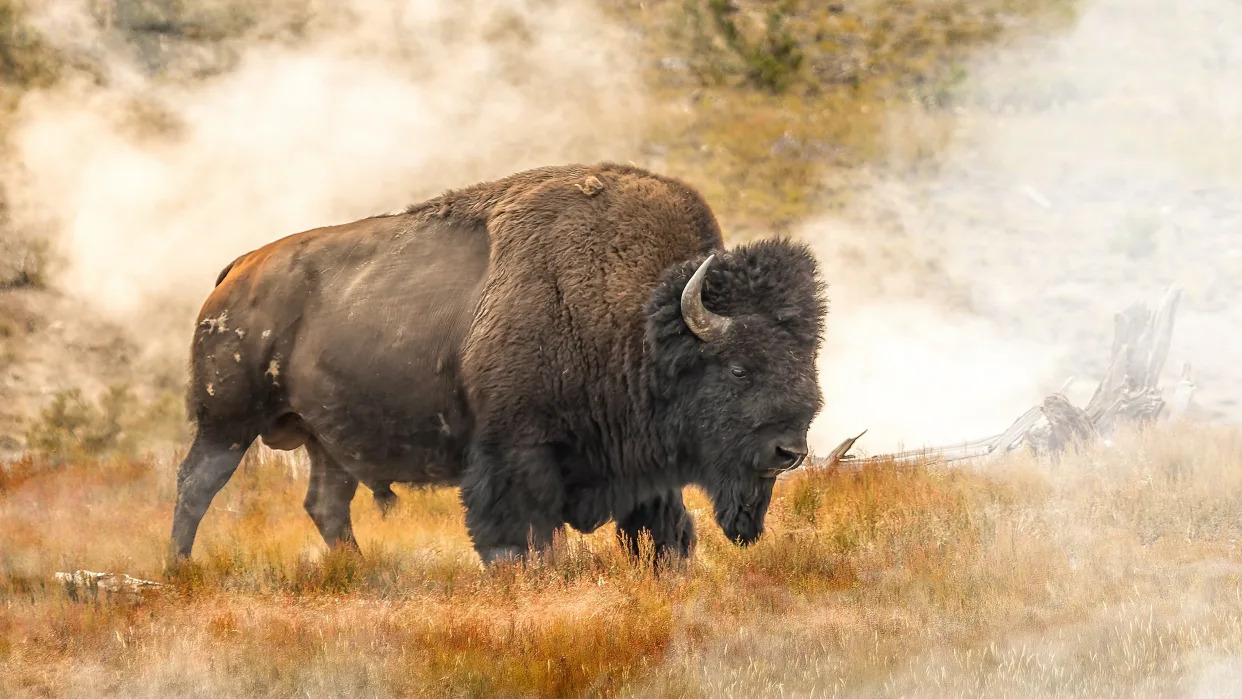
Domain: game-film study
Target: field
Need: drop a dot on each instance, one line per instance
(984, 182)
(1115, 572)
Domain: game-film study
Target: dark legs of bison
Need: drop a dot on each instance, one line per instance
(204, 471)
(328, 498)
(512, 497)
(666, 520)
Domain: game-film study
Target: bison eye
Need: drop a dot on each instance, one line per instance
(738, 371)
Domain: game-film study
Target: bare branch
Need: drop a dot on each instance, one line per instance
(1129, 391)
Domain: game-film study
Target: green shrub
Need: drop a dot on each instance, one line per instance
(71, 427)
(769, 62)
(773, 60)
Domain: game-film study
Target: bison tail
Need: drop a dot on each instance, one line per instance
(227, 268)
(384, 497)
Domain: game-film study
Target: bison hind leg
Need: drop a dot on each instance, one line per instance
(666, 520)
(328, 498)
(210, 463)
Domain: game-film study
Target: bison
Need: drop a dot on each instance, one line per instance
(570, 345)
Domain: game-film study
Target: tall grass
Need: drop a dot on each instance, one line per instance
(1115, 572)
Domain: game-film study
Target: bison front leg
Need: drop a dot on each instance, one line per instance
(512, 497)
(663, 517)
(329, 496)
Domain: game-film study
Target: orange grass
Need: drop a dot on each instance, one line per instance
(1116, 572)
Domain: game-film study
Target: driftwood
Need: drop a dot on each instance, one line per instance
(84, 583)
(1129, 393)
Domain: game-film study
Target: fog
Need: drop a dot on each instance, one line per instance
(152, 185)
(1088, 170)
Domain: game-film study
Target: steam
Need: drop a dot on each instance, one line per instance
(151, 186)
(1087, 172)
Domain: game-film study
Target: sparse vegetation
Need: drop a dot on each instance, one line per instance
(23, 263)
(1116, 572)
(770, 61)
(780, 103)
(26, 61)
(118, 422)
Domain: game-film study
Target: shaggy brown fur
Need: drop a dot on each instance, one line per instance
(523, 338)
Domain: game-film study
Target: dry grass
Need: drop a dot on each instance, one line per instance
(1115, 573)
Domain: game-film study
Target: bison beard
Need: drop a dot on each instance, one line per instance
(570, 345)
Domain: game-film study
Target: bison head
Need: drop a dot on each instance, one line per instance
(734, 339)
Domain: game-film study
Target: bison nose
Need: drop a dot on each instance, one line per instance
(789, 457)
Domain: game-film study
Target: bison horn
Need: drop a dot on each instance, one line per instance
(707, 326)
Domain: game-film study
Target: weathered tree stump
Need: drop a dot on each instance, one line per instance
(1129, 392)
(1130, 389)
(1065, 425)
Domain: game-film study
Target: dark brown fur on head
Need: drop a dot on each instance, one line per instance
(730, 403)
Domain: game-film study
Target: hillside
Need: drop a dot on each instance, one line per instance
(778, 112)
(986, 183)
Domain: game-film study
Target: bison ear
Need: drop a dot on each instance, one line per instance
(707, 326)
